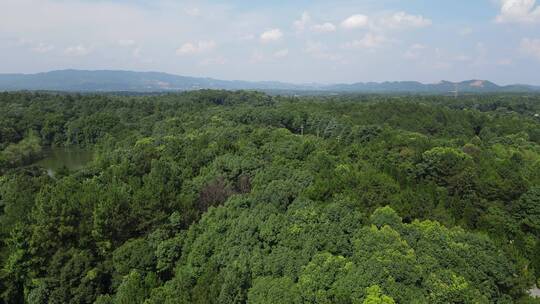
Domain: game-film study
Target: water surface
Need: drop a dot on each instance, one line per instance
(73, 158)
(535, 292)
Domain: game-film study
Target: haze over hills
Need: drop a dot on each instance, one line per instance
(113, 81)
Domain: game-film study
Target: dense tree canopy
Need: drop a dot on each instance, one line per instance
(241, 197)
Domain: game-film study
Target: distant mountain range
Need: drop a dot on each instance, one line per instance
(128, 81)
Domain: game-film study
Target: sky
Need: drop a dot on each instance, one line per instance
(300, 41)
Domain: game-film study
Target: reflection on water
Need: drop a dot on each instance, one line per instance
(72, 158)
(535, 292)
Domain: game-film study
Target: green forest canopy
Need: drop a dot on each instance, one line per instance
(241, 197)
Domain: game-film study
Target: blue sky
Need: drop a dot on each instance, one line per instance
(295, 41)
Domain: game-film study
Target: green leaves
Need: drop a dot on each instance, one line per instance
(375, 296)
(317, 280)
(240, 197)
(385, 217)
(527, 211)
(268, 290)
(21, 153)
(442, 164)
(135, 288)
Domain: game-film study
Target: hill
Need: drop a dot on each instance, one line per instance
(130, 81)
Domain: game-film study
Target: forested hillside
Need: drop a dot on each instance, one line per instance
(240, 197)
(136, 82)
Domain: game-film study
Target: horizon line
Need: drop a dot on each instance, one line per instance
(271, 81)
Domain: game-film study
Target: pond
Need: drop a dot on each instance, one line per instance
(535, 292)
(73, 158)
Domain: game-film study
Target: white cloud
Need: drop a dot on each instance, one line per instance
(194, 12)
(204, 46)
(414, 51)
(418, 46)
(442, 65)
(132, 45)
(314, 47)
(320, 51)
(271, 36)
(401, 20)
(43, 48)
(304, 22)
(256, 57)
(259, 57)
(479, 57)
(463, 58)
(518, 11)
(156, 24)
(481, 49)
(126, 42)
(505, 62)
(187, 48)
(300, 25)
(136, 52)
(77, 50)
(246, 37)
(395, 21)
(214, 61)
(531, 47)
(465, 31)
(369, 41)
(281, 53)
(324, 28)
(191, 48)
(439, 54)
(22, 42)
(446, 59)
(355, 21)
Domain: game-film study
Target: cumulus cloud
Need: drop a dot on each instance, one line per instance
(271, 35)
(77, 50)
(281, 53)
(190, 48)
(463, 58)
(481, 53)
(504, 62)
(320, 51)
(531, 47)
(314, 47)
(401, 20)
(187, 48)
(130, 45)
(418, 46)
(214, 61)
(355, 21)
(300, 24)
(256, 57)
(465, 31)
(326, 27)
(442, 65)
(305, 22)
(246, 37)
(194, 12)
(398, 20)
(43, 48)
(126, 42)
(369, 41)
(414, 51)
(136, 52)
(518, 11)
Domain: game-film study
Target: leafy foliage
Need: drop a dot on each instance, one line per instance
(240, 197)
